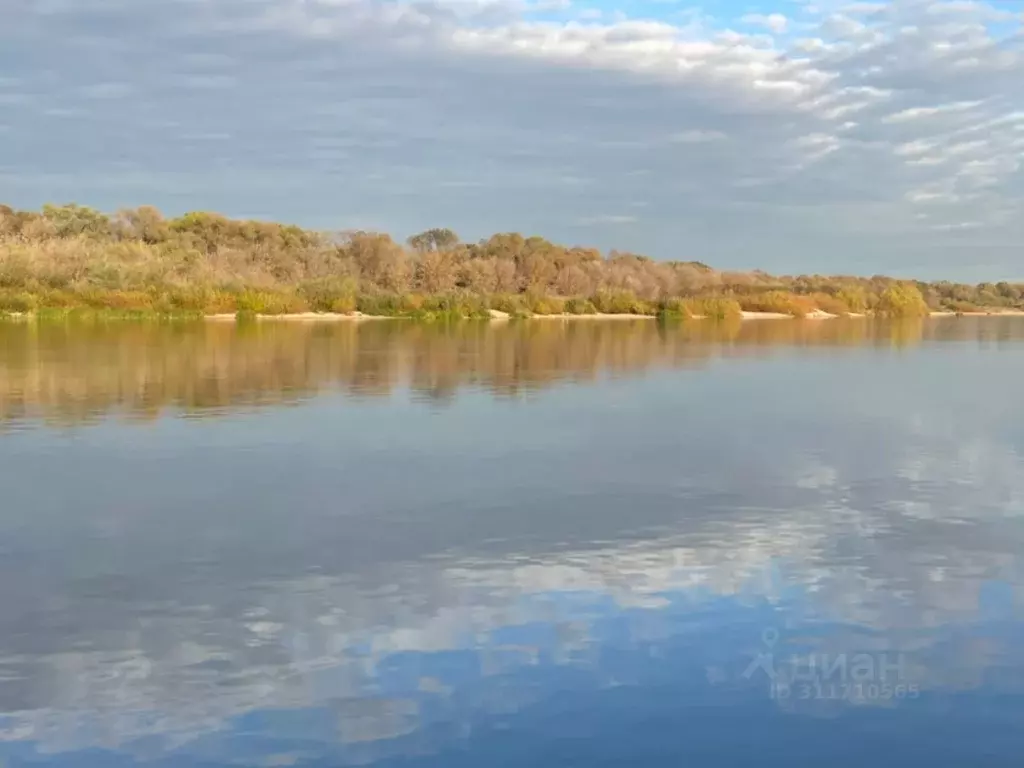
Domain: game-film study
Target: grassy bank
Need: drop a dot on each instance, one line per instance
(66, 260)
(156, 303)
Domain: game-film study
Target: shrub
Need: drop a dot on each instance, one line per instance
(780, 302)
(440, 307)
(674, 308)
(580, 307)
(831, 304)
(267, 303)
(545, 305)
(17, 302)
(962, 306)
(388, 304)
(512, 304)
(343, 305)
(330, 294)
(902, 300)
(200, 298)
(855, 298)
(55, 299)
(15, 268)
(472, 306)
(713, 307)
(617, 303)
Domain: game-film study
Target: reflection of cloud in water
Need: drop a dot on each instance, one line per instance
(861, 518)
(371, 656)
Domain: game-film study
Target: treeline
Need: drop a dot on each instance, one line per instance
(137, 260)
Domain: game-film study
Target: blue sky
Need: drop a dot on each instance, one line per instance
(808, 136)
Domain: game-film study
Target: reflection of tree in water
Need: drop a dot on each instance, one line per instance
(70, 373)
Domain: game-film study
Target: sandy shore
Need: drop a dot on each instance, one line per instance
(815, 315)
(306, 316)
(499, 315)
(990, 313)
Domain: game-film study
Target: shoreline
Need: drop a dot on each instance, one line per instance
(495, 316)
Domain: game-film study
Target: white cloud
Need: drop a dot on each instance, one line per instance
(869, 104)
(916, 113)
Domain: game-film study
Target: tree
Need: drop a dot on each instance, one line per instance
(434, 240)
(381, 261)
(902, 300)
(435, 272)
(72, 220)
(145, 224)
(854, 297)
(505, 278)
(573, 281)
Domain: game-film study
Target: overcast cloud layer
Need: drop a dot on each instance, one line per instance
(792, 136)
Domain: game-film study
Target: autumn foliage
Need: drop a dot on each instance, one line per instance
(139, 261)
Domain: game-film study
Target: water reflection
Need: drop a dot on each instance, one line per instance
(580, 578)
(71, 373)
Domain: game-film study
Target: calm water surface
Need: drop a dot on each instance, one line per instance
(549, 544)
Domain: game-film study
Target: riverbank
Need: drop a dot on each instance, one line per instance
(493, 315)
(72, 259)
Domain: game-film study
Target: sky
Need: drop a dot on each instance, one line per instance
(792, 136)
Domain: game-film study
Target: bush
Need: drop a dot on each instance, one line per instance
(330, 294)
(831, 304)
(512, 304)
(780, 302)
(15, 269)
(962, 306)
(545, 305)
(855, 298)
(902, 300)
(343, 305)
(713, 308)
(617, 303)
(388, 304)
(17, 302)
(200, 298)
(580, 307)
(451, 307)
(267, 303)
(674, 308)
(97, 298)
(55, 299)
(473, 306)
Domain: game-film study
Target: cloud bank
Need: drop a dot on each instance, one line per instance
(828, 137)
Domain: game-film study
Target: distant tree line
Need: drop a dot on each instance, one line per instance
(137, 260)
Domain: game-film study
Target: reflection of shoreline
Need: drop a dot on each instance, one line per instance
(73, 373)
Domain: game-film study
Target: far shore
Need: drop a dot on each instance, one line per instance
(74, 261)
(499, 316)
